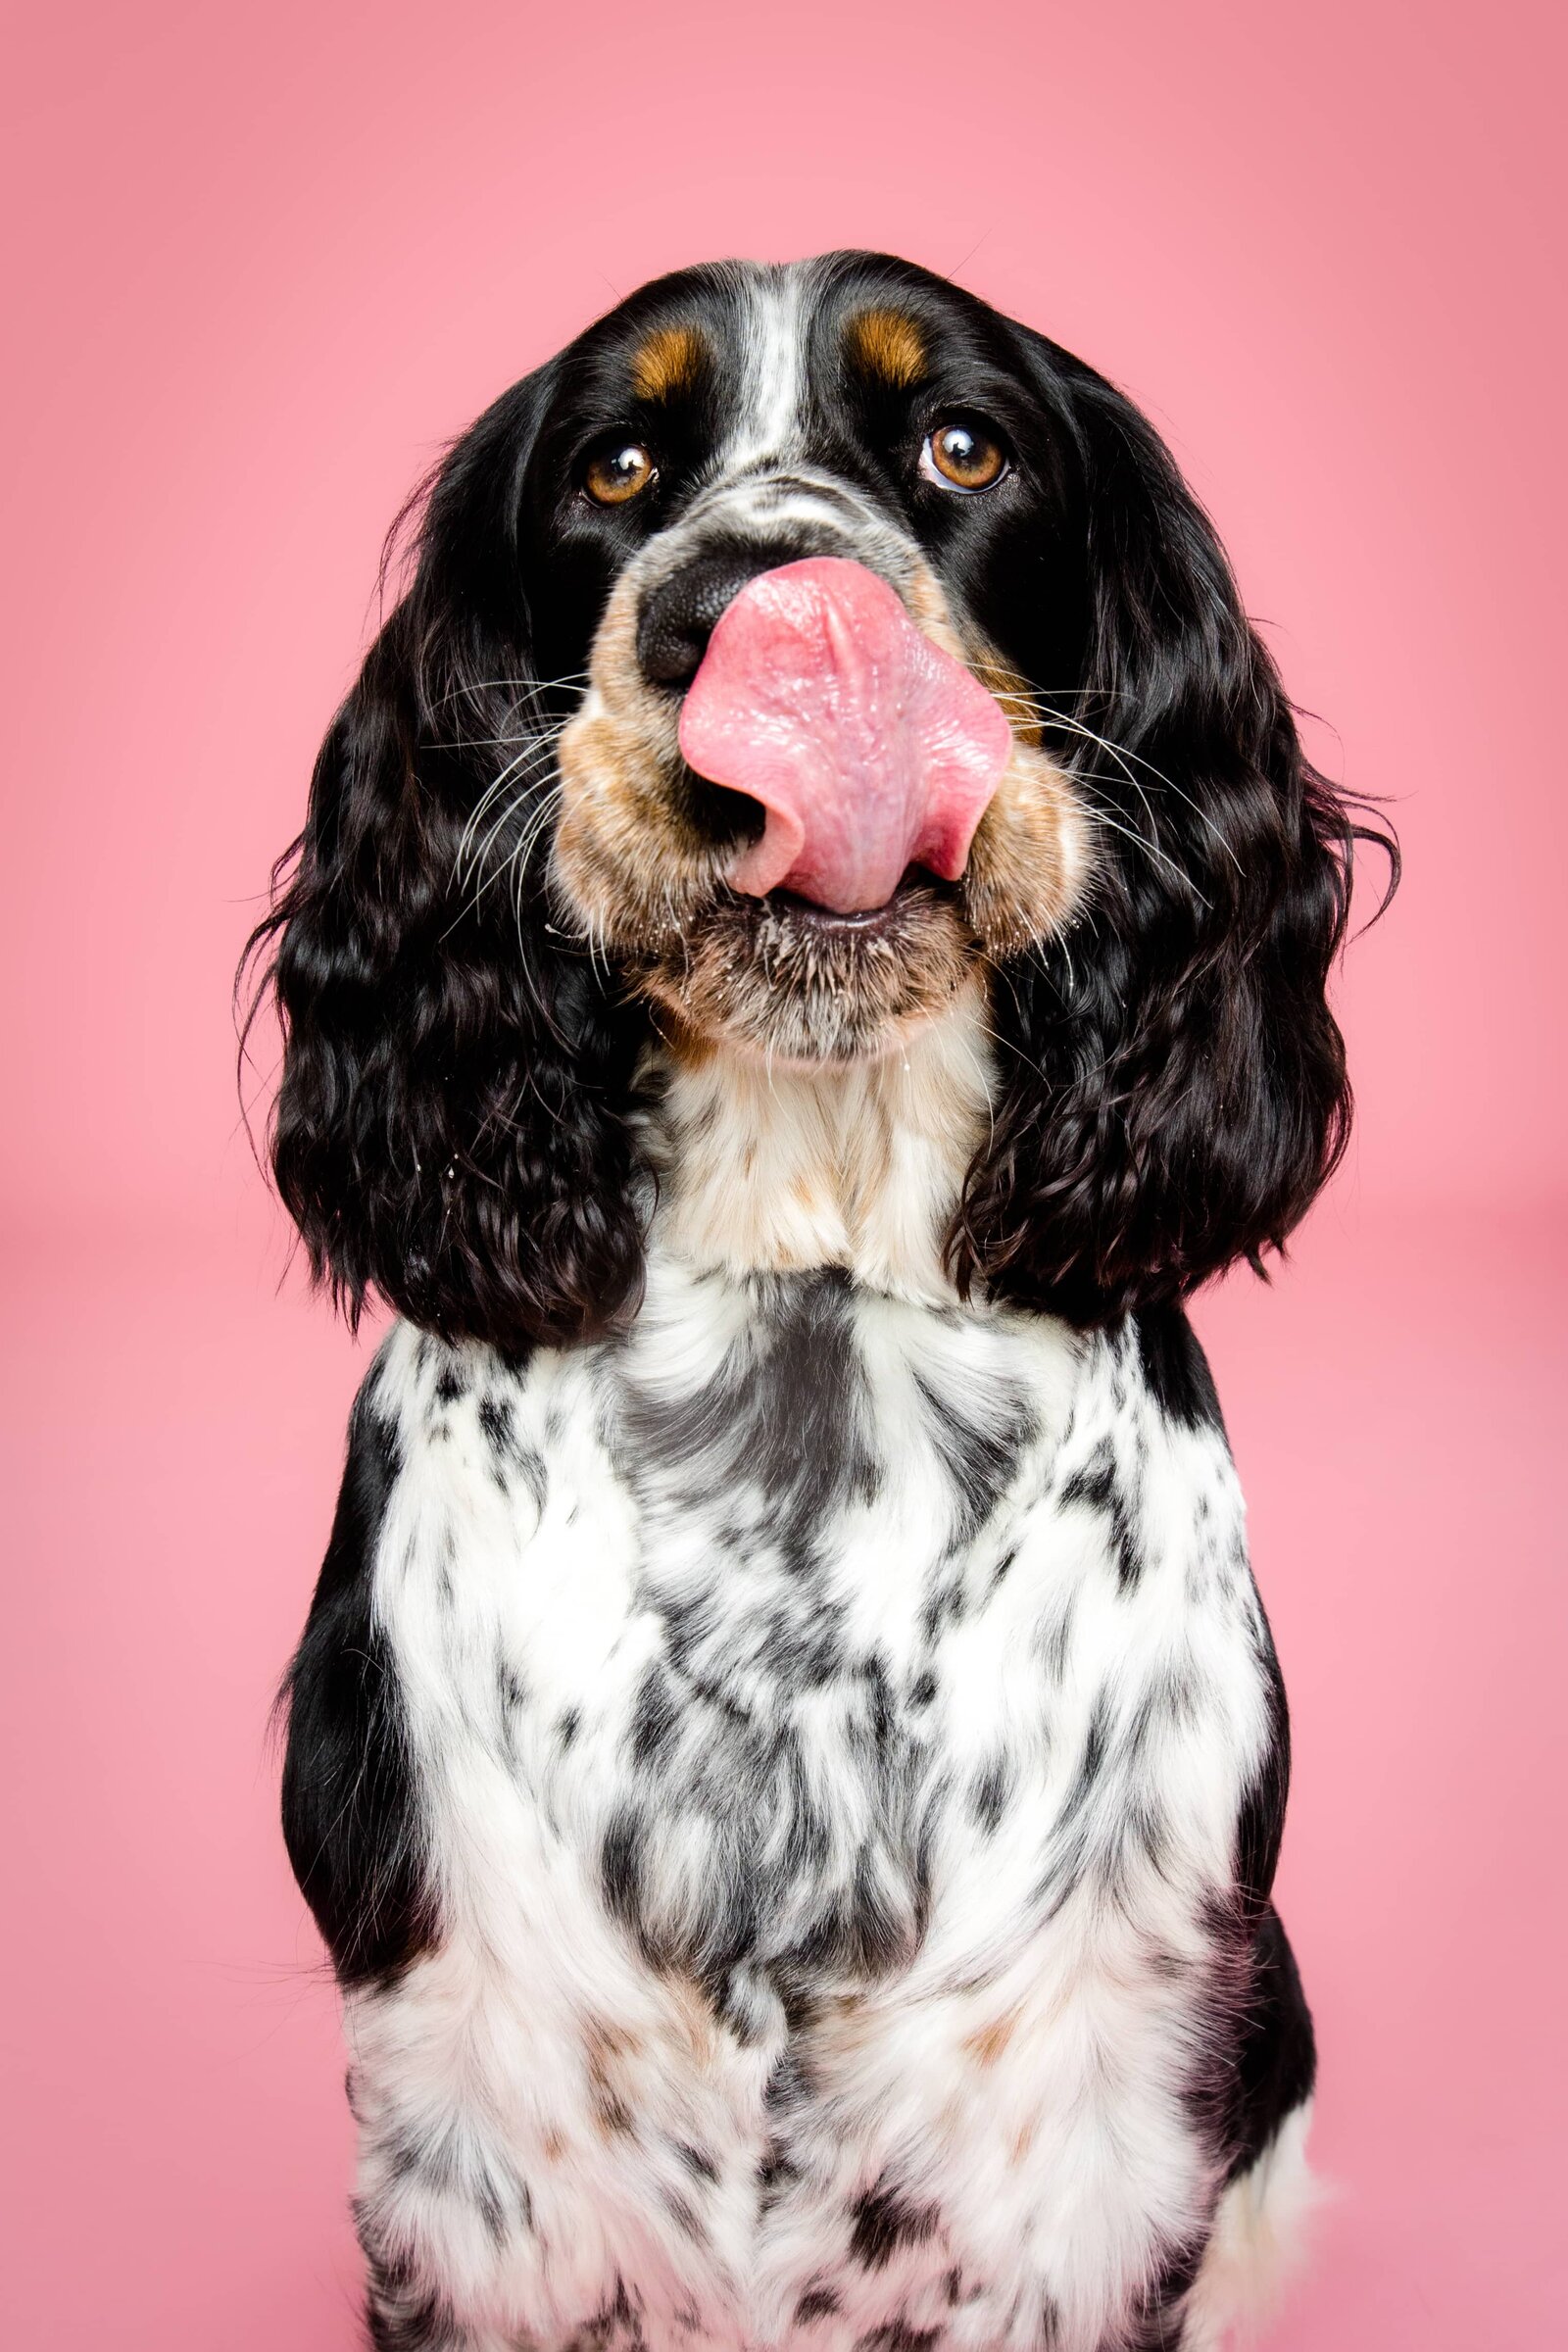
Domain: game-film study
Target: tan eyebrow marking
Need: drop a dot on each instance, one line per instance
(887, 345)
(668, 361)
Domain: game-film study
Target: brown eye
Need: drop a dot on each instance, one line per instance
(965, 456)
(618, 473)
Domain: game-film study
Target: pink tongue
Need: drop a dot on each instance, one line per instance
(869, 748)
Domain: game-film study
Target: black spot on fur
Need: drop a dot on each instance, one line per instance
(748, 2004)
(655, 1716)
(947, 1605)
(1260, 1825)
(1094, 1483)
(495, 1419)
(684, 2216)
(787, 2084)
(883, 2221)
(981, 1457)
(351, 1815)
(787, 1410)
(1277, 2058)
(509, 1455)
(870, 1929)
(1168, 1700)
(817, 2303)
(1176, 1370)
(402, 2316)
(1157, 2325)
(620, 1867)
(774, 2175)
(989, 1798)
(1098, 1486)
(1092, 1764)
(443, 2164)
(735, 1773)
(898, 2336)
(1058, 1639)
(616, 2328)
(1146, 1833)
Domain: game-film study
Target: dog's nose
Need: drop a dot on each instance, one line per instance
(678, 617)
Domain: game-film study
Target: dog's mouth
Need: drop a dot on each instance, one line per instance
(793, 939)
(781, 975)
(807, 853)
(915, 889)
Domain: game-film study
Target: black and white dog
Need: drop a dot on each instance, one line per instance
(810, 938)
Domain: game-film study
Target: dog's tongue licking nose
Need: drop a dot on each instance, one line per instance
(869, 748)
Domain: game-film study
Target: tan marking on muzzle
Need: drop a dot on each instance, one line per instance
(625, 853)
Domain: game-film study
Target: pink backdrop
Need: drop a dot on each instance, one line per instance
(263, 261)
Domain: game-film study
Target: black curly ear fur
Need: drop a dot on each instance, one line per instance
(450, 1127)
(1173, 1083)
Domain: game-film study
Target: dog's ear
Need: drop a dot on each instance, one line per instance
(449, 1129)
(1173, 1083)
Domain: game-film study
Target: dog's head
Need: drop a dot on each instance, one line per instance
(797, 648)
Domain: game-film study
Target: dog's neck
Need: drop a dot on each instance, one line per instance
(771, 1169)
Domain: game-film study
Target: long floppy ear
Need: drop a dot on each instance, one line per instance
(450, 1126)
(1174, 1090)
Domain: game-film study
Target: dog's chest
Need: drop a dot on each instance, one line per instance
(830, 1720)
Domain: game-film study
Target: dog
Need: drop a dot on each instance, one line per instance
(810, 941)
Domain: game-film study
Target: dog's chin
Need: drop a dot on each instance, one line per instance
(782, 978)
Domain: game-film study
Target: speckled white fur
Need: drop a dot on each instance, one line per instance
(567, 2099)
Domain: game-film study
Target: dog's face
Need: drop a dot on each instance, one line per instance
(798, 646)
(719, 426)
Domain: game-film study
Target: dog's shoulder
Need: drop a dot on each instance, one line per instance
(350, 1811)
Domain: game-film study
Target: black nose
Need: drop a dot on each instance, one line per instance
(678, 618)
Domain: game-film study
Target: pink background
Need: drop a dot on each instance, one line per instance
(264, 261)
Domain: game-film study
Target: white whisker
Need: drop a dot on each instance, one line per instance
(538, 747)
(1097, 816)
(1032, 697)
(528, 687)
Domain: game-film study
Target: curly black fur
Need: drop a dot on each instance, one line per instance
(1177, 1093)
(451, 1128)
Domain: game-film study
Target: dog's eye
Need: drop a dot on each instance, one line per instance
(622, 471)
(964, 455)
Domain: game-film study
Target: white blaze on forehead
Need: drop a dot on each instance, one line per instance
(773, 370)
(764, 473)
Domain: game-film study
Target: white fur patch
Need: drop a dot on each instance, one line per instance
(1259, 2240)
(768, 1168)
(776, 362)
